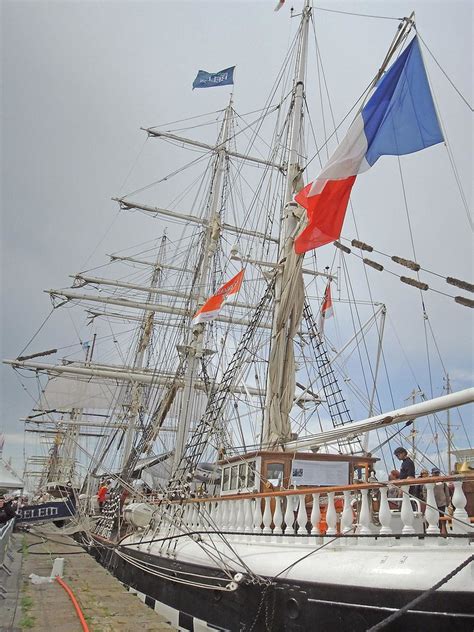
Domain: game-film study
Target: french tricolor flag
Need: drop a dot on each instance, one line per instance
(326, 308)
(212, 307)
(399, 118)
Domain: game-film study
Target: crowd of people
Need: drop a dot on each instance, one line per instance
(9, 505)
(442, 491)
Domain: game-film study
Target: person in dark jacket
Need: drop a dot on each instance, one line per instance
(407, 469)
(7, 510)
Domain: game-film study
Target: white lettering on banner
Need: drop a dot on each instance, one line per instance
(216, 79)
(38, 512)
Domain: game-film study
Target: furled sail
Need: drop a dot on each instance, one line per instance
(282, 379)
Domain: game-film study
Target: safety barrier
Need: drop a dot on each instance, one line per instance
(5, 533)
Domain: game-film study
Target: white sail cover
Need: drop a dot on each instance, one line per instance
(281, 383)
(65, 393)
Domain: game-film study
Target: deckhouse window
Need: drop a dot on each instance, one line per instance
(275, 473)
(251, 474)
(233, 476)
(242, 474)
(225, 478)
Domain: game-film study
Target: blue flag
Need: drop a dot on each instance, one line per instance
(211, 79)
(400, 117)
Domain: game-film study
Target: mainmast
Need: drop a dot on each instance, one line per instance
(289, 287)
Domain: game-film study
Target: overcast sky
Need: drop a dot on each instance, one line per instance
(80, 79)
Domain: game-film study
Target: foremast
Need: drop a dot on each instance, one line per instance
(195, 351)
(146, 330)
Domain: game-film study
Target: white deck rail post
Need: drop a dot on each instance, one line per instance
(431, 512)
(385, 515)
(331, 515)
(461, 522)
(406, 513)
(315, 516)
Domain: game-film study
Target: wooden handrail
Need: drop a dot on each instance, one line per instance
(326, 490)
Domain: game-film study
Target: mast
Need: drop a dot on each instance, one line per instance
(195, 350)
(289, 287)
(413, 431)
(448, 425)
(143, 344)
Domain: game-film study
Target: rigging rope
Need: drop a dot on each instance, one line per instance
(360, 15)
(444, 72)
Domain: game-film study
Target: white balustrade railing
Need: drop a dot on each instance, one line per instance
(324, 513)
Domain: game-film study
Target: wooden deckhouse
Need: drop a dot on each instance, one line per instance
(261, 471)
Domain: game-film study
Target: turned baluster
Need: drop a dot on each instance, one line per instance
(224, 514)
(198, 516)
(385, 515)
(460, 518)
(364, 516)
(302, 517)
(211, 510)
(204, 516)
(257, 517)
(406, 513)
(192, 516)
(331, 515)
(267, 516)
(187, 515)
(347, 516)
(315, 516)
(217, 515)
(232, 515)
(239, 519)
(248, 522)
(277, 517)
(289, 517)
(431, 511)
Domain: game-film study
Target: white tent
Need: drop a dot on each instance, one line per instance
(8, 479)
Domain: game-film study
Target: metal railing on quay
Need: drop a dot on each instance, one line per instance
(5, 533)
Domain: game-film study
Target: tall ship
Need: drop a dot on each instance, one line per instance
(239, 436)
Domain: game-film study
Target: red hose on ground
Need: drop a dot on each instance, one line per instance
(74, 603)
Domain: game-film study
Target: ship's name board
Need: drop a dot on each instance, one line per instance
(46, 511)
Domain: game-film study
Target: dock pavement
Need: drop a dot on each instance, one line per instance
(107, 606)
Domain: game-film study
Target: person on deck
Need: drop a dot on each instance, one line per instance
(420, 491)
(407, 469)
(393, 491)
(442, 498)
(102, 495)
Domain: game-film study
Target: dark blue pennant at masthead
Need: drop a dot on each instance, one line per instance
(212, 79)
